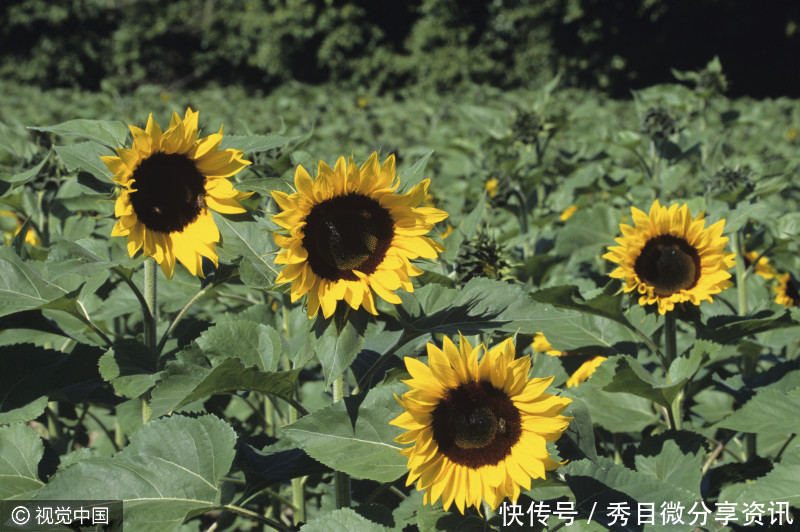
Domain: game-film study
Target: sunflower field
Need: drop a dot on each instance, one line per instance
(310, 309)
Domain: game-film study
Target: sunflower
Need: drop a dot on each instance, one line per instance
(479, 429)
(170, 181)
(11, 225)
(581, 374)
(787, 293)
(670, 258)
(762, 266)
(350, 234)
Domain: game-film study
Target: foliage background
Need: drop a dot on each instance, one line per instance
(476, 84)
(613, 45)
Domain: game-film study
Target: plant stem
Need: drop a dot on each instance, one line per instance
(150, 300)
(670, 342)
(298, 491)
(203, 291)
(341, 480)
(750, 361)
(277, 525)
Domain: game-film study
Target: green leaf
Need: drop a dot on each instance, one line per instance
(21, 287)
(607, 304)
(482, 305)
(580, 429)
(254, 344)
(342, 519)
(335, 349)
(769, 411)
(168, 473)
(21, 449)
(673, 457)
(413, 174)
(729, 329)
(253, 242)
(358, 442)
(254, 143)
(631, 377)
(85, 156)
(7, 182)
(111, 133)
(30, 374)
(779, 485)
(186, 381)
(129, 367)
(264, 186)
(596, 485)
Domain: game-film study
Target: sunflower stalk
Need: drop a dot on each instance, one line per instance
(150, 301)
(749, 363)
(671, 353)
(341, 480)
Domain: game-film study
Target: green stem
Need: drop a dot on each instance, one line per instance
(298, 491)
(277, 525)
(671, 350)
(150, 300)
(750, 361)
(670, 339)
(523, 219)
(741, 275)
(341, 480)
(203, 291)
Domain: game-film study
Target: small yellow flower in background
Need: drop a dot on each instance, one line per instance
(541, 345)
(580, 375)
(762, 267)
(8, 236)
(448, 230)
(491, 187)
(669, 258)
(170, 181)
(350, 235)
(479, 429)
(567, 213)
(787, 293)
(792, 134)
(362, 102)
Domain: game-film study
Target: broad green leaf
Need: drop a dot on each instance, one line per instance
(186, 380)
(769, 411)
(482, 305)
(112, 134)
(21, 450)
(254, 243)
(30, 374)
(580, 429)
(7, 182)
(264, 186)
(21, 287)
(360, 443)
(254, 143)
(608, 304)
(337, 349)
(673, 457)
(130, 368)
(254, 344)
(777, 486)
(729, 329)
(168, 473)
(592, 227)
(85, 156)
(596, 485)
(415, 173)
(342, 519)
(631, 377)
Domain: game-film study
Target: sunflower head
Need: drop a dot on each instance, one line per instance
(582, 373)
(481, 256)
(669, 257)
(170, 181)
(658, 124)
(787, 291)
(348, 234)
(478, 429)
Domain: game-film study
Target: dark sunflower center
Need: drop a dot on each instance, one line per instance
(476, 424)
(170, 192)
(668, 264)
(347, 233)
